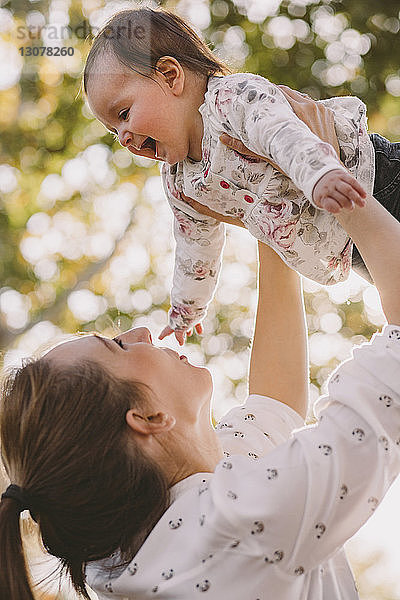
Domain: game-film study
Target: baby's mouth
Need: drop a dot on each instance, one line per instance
(151, 144)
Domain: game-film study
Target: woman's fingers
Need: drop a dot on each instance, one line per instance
(204, 210)
(237, 145)
(233, 143)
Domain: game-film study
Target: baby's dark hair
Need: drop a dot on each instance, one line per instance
(90, 487)
(138, 38)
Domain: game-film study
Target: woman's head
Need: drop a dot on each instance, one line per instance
(175, 385)
(70, 425)
(65, 442)
(154, 68)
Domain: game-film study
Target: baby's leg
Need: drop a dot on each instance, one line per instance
(386, 187)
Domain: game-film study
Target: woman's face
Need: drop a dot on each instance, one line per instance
(181, 389)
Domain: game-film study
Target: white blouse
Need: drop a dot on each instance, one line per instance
(276, 209)
(271, 521)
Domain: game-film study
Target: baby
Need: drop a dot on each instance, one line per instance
(155, 84)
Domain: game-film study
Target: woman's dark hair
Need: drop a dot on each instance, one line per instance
(138, 38)
(91, 488)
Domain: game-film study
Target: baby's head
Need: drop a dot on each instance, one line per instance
(145, 78)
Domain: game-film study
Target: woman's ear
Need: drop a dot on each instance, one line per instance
(173, 73)
(158, 423)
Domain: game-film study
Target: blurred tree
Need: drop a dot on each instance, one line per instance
(371, 587)
(323, 48)
(85, 241)
(58, 164)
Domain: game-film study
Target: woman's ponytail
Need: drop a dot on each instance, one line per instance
(14, 578)
(63, 434)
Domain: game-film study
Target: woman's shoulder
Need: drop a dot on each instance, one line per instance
(263, 421)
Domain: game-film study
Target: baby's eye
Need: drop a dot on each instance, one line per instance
(117, 341)
(124, 112)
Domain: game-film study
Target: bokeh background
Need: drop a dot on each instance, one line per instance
(85, 233)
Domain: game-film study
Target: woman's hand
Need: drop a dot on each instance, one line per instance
(204, 210)
(238, 146)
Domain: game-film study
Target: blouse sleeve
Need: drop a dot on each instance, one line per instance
(257, 427)
(296, 506)
(256, 111)
(198, 255)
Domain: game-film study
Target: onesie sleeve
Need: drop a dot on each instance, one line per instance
(297, 505)
(254, 110)
(198, 255)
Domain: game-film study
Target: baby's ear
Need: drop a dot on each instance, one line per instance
(173, 73)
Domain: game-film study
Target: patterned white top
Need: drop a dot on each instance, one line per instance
(276, 209)
(271, 521)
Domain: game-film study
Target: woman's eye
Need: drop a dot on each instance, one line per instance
(117, 341)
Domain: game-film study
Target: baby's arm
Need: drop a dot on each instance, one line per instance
(199, 244)
(262, 118)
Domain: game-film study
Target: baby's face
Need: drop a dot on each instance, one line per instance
(149, 116)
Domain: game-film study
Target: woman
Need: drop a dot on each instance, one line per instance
(109, 444)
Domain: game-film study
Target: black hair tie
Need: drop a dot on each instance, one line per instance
(15, 492)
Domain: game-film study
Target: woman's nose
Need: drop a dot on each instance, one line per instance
(138, 334)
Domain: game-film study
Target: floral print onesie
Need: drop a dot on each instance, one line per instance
(276, 209)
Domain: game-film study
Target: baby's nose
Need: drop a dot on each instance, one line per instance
(125, 139)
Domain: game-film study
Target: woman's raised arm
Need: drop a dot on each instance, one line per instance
(279, 356)
(377, 236)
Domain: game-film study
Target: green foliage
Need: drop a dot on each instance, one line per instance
(46, 126)
(85, 236)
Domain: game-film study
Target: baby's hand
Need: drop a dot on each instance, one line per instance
(337, 190)
(180, 335)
